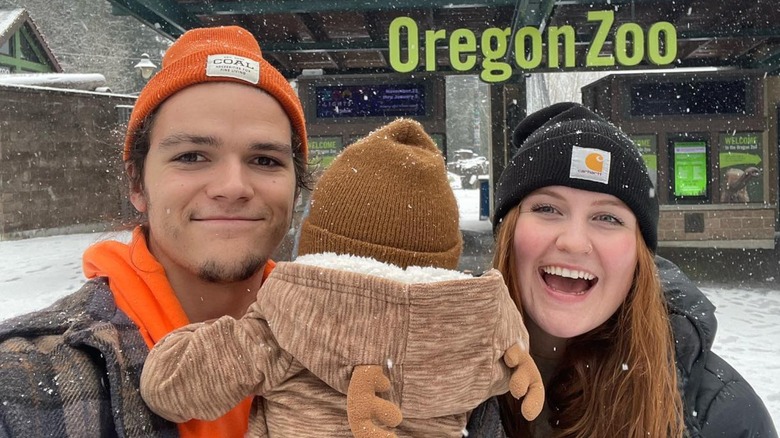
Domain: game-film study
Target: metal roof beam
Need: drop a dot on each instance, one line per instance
(329, 46)
(374, 32)
(606, 2)
(310, 6)
(545, 13)
(772, 32)
(165, 16)
(315, 27)
(770, 62)
(318, 31)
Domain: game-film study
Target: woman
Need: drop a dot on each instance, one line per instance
(576, 221)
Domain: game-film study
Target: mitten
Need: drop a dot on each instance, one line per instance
(525, 381)
(363, 405)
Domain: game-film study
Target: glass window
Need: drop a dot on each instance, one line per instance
(5, 48)
(699, 97)
(28, 51)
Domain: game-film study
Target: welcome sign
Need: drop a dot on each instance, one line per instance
(631, 43)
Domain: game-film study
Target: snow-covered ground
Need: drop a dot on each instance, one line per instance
(35, 272)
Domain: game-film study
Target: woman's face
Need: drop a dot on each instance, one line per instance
(576, 252)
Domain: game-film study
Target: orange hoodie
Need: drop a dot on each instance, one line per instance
(142, 291)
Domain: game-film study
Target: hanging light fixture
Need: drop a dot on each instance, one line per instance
(145, 66)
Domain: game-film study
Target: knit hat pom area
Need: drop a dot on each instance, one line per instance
(566, 144)
(215, 54)
(386, 197)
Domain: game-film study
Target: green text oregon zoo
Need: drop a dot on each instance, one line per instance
(632, 45)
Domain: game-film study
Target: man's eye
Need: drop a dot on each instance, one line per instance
(266, 161)
(189, 157)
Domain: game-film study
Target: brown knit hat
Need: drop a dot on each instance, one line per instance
(215, 54)
(386, 197)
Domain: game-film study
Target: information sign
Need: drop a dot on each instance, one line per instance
(690, 168)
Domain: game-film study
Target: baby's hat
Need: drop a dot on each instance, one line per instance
(386, 197)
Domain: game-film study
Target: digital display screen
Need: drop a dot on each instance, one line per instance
(385, 100)
(690, 168)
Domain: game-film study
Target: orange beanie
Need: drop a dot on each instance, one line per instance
(216, 54)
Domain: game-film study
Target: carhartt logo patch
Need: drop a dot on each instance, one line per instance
(590, 164)
(232, 66)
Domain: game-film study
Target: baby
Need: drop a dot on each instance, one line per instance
(374, 294)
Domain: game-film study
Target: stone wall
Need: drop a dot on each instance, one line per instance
(60, 167)
(718, 226)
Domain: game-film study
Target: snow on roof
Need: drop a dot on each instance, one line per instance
(8, 18)
(11, 20)
(78, 81)
(65, 90)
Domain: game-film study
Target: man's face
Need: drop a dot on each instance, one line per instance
(219, 182)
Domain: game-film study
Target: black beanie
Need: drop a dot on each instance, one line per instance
(569, 145)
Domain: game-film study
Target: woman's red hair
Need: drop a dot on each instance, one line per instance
(618, 380)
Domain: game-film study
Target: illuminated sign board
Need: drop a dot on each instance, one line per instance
(385, 100)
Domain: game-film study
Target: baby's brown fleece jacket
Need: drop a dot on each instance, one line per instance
(441, 344)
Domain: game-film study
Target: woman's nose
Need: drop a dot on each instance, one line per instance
(574, 238)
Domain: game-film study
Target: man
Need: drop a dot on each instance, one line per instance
(215, 153)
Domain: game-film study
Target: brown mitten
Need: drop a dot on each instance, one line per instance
(363, 405)
(525, 381)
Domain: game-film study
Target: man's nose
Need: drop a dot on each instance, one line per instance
(230, 180)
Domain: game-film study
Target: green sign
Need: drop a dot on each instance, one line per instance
(690, 168)
(648, 147)
(740, 167)
(553, 47)
(324, 149)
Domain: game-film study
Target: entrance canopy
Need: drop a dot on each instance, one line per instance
(352, 36)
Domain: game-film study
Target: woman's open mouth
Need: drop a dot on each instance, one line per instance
(568, 281)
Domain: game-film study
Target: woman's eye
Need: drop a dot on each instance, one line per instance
(543, 208)
(609, 218)
(189, 157)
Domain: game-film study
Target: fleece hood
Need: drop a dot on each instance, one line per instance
(333, 313)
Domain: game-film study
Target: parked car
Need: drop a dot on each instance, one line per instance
(469, 166)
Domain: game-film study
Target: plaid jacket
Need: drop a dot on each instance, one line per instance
(73, 370)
